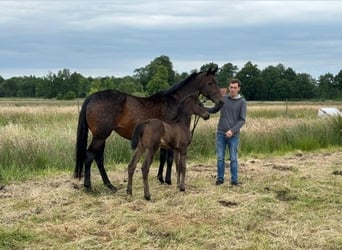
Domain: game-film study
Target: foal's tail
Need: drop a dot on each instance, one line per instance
(136, 135)
(81, 140)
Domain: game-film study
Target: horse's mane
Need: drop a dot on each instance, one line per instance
(175, 87)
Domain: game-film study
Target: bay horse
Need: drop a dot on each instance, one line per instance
(110, 110)
(174, 135)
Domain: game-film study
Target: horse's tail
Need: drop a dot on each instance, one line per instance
(81, 140)
(136, 135)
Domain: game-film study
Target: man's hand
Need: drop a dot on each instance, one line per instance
(229, 133)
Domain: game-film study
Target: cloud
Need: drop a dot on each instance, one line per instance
(165, 14)
(119, 36)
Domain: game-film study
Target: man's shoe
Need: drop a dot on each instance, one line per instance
(219, 182)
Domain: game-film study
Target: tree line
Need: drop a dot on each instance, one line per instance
(272, 83)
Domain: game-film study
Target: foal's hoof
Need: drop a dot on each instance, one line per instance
(148, 197)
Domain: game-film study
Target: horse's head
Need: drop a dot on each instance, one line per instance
(208, 86)
(191, 105)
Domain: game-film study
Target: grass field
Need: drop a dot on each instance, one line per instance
(290, 197)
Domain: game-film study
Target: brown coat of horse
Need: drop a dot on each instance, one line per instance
(108, 110)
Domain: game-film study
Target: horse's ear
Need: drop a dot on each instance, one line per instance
(211, 70)
(215, 70)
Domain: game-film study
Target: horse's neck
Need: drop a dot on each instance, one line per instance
(186, 90)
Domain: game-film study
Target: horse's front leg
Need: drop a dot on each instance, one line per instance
(162, 160)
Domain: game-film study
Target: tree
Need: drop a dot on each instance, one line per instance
(158, 81)
(166, 62)
(9, 87)
(225, 73)
(326, 86)
(271, 76)
(304, 87)
(95, 85)
(75, 83)
(145, 74)
(338, 83)
(129, 85)
(251, 85)
(180, 77)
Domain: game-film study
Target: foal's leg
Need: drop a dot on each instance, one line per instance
(145, 170)
(162, 160)
(131, 168)
(182, 170)
(169, 158)
(176, 155)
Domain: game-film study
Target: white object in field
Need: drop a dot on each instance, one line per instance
(329, 111)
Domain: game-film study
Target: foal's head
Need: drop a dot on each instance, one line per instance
(191, 105)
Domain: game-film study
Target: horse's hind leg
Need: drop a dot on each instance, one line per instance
(99, 158)
(96, 151)
(87, 165)
(169, 158)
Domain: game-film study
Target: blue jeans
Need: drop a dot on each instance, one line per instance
(222, 141)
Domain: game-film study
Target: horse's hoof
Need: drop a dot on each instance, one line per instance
(88, 189)
(148, 197)
(168, 182)
(112, 188)
(161, 180)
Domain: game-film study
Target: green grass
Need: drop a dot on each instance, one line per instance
(16, 238)
(38, 137)
(290, 198)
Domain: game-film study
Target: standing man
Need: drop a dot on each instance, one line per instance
(232, 118)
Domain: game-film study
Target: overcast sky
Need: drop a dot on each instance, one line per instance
(112, 38)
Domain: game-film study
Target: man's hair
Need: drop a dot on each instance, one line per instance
(235, 80)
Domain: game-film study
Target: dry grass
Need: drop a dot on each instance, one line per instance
(292, 201)
(289, 202)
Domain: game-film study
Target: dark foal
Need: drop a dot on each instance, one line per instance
(166, 156)
(152, 134)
